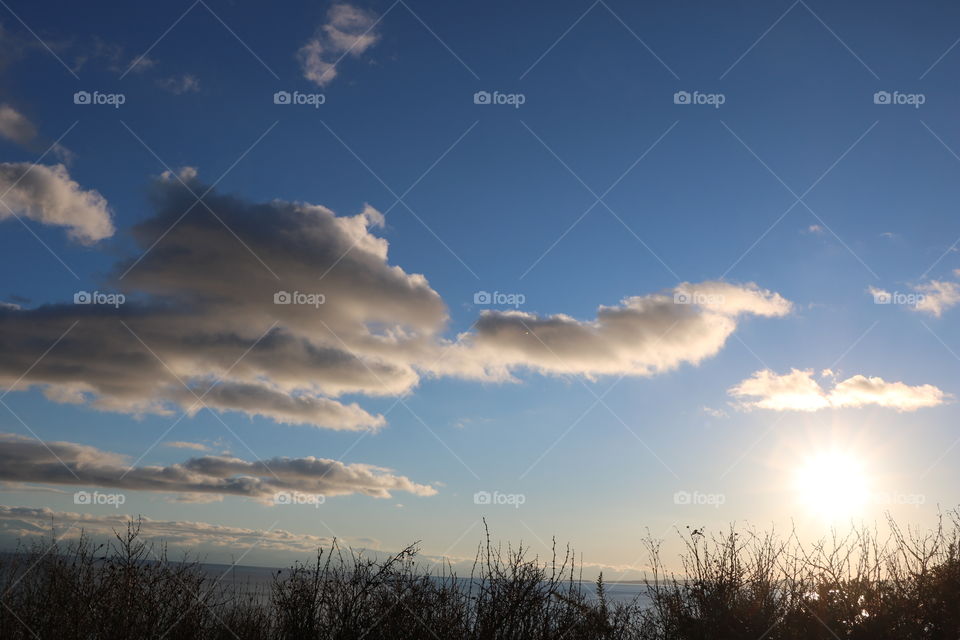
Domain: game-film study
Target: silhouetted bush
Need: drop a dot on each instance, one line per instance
(739, 584)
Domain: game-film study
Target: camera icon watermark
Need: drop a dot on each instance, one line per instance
(296, 97)
(295, 497)
(712, 99)
(696, 498)
(97, 297)
(111, 99)
(88, 498)
(516, 100)
(896, 97)
(497, 498)
(506, 299)
(300, 298)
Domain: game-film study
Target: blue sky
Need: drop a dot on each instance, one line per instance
(803, 191)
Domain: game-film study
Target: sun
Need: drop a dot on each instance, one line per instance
(832, 485)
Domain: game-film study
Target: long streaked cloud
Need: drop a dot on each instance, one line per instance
(799, 391)
(23, 522)
(48, 195)
(68, 463)
(279, 309)
(349, 30)
(181, 444)
(641, 336)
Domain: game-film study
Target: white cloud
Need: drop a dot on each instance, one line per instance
(798, 391)
(48, 195)
(642, 336)
(859, 390)
(938, 296)
(349, 30)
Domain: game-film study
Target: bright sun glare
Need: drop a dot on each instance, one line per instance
(832, 485)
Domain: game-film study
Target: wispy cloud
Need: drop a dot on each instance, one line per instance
(14, 126)
(933, 297)
(349, 30)
(938, 296)
(177, 85)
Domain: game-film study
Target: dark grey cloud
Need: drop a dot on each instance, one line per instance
(200, 309)
(67, 463)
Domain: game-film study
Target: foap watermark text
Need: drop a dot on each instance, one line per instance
(514, 100)
(299, 98)
(299, 297)
(698, 498)
(499, 298)
(96, 97)
(295, 497)
(896, 97)
(696, 97)
(498, 498)
(97, 498)
(99, 297)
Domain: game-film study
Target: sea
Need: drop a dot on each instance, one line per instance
(257, 580)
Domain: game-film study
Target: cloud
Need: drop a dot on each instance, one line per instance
(177, 85)
(48, 195)
(17, 128)
(67, 463)
(37, 521)
(14, 126)
(642, 336)
(715, 413)
(933, 297)
(798, 391)
(180, 444)
(140, 64)
(938, 296)
(348, 30)
(202, 301)
(280, 309)
(859, 390)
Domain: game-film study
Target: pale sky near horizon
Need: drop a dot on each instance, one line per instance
(379, 270)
